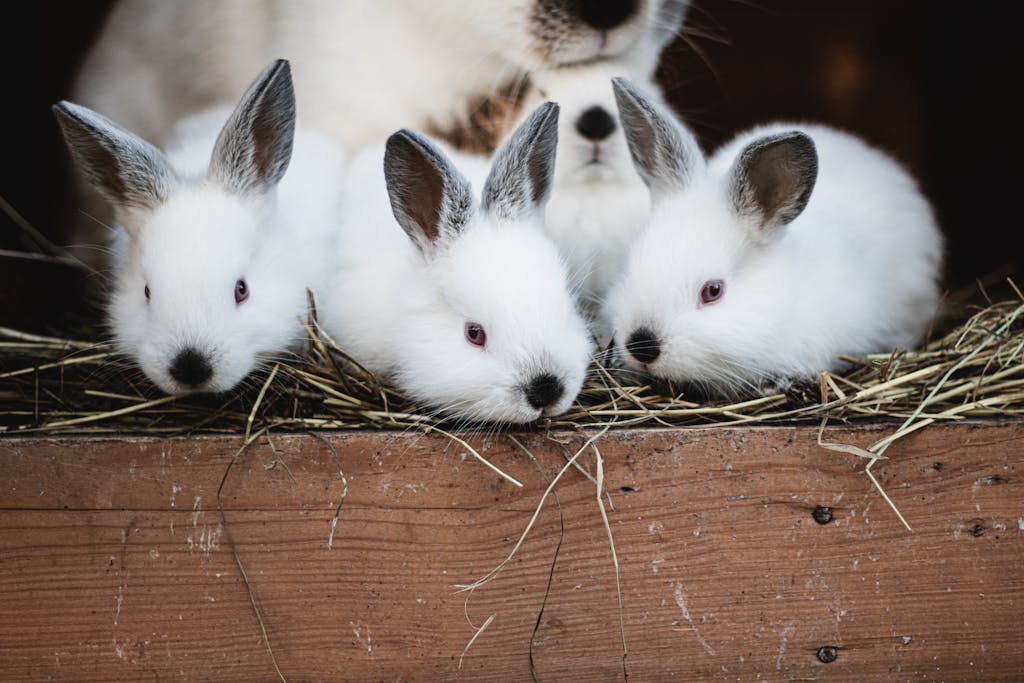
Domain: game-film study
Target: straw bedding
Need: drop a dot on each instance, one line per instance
(55, 385)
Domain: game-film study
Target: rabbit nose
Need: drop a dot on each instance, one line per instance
(605, 15)
(643, 345)
(190, 368)
(544, 391)
(595, 124)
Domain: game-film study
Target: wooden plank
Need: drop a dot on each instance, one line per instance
(115, 565)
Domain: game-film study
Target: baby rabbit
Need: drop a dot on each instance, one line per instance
(598, 203)
(791, 245)
(214, 251)
(469, 310)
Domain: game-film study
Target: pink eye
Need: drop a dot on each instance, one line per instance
(712, 291)
(241, 292)
(146, 292)
(475, 334)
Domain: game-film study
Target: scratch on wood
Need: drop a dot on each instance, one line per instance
(366, 642)
(681, 601)
(208, 540)
(784, 636)
(119, 601)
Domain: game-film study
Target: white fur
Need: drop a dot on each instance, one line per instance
(222, 213)
(855, 273)
(192, 249)
(598, 203)
(402, 314)
(363, 68)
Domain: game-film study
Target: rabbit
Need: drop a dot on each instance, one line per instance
(215, 243)
(467, 311)
(598, 203)
(364, 68)
(790, 246)
(424, 63)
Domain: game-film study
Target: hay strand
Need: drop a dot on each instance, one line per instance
(491, 575)
(615, 558)
(238, 560)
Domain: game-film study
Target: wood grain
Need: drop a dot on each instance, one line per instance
(115, 564)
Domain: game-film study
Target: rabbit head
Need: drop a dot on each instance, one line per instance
(693, 304)
(494, 334)
(202, 288)
(591, 146)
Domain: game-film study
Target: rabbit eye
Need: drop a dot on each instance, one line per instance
(146, 292)
(712, 291)
(475, 334)
(241, 292)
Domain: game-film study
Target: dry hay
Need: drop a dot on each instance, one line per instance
(50, 385)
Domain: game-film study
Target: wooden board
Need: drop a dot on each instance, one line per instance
(115, 564)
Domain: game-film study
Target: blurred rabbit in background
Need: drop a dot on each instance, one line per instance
(363, 68)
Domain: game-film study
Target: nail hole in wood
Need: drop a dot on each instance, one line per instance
(822, 514)
(827, 654)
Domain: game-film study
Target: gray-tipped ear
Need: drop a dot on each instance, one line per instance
(128, 171)
(430, 199)
(665, 154)
(771, 181)
(520, 179)
(255, 146)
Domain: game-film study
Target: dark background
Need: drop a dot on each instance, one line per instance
(934, 82)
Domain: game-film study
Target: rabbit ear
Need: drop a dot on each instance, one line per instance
(128, 171)
(520, 179)
(771, 181)
(430, 199)
(665, 154)
(255, 146)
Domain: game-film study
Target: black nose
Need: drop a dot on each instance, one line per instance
(605, 15)
(643, 345)
(595, 124)
(544, 391)
(190, 368)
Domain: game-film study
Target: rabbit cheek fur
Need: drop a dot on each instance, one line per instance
(529, 317)
(854, 272)
(189, 256)
(404, 317)
(719, 346)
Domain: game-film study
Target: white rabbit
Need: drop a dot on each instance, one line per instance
(469, 310)
(363, 68)
(598, 203)
(216, 244)
(790, 246)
